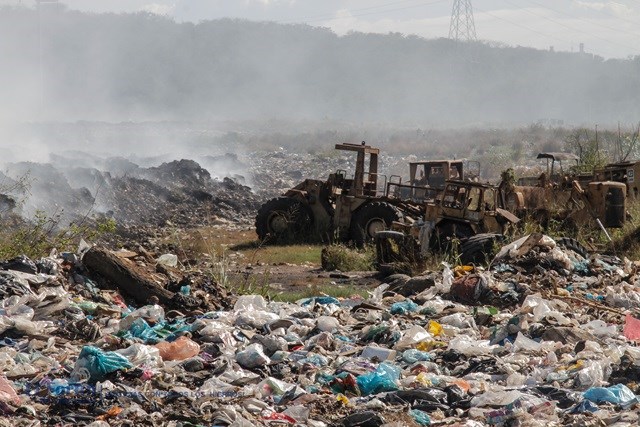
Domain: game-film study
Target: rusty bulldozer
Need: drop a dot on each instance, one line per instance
(353, 208)
(476, 216)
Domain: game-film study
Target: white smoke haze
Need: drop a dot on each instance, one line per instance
(119, 93)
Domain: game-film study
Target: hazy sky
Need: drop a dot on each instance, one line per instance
(607, 28)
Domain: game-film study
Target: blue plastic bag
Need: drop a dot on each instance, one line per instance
(384, 378)
(98, 363)
(320, 300)
(618, 394)
(420, 417)
(413, 356)
(404, 307)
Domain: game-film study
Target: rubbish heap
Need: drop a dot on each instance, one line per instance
(543, 337)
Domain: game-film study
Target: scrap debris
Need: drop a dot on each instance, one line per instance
(505, 346)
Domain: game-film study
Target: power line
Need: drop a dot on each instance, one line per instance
(589, 22)
(521, 26)
(571, 28)
(332, 17)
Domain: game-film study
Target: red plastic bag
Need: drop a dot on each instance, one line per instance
(631, 328)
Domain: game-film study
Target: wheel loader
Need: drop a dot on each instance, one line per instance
(479, 215)
(467, 214)
(352, 208)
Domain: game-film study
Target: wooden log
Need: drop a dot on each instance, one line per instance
(125, 275)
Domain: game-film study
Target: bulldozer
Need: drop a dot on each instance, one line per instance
(470, 214)
(624, 172)
(352, 208)
(476, 216)
(339, 208)
(572, 200)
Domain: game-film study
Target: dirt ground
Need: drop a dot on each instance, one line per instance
(292, 277)
(252, 267)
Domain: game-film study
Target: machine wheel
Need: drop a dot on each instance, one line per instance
(283, 219)
(480, 248)
(574, 245)
(371, 218)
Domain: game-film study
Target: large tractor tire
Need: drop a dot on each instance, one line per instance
(479, 249)
(574, 245)
(284, 219)
(371, 218)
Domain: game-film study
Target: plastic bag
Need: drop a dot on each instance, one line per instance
(523, 343)
(384, 378)
(470, 347)
(412, 337)
(255, 318)
(631, 328)
(404, 307)
(420, 417)
(327, 324)
(498, 398)
(252, 357)
(150, 313)
(319, 300)
(250, 302)
(594, 373)
(435, 328)
(169, 260)
(272, 386)
(95, 364)
(180, 349)
(447, 279)
(142, 355)
(459, 320)
(7, 392)
(413, 356)
(378, 293)
(618, 394)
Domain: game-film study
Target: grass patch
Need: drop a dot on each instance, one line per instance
(291, 254)
(626, 240)
(338, 257)
(219, 242)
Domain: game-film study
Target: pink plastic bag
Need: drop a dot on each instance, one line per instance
(180, 349)
(631, 327)
(7, 393)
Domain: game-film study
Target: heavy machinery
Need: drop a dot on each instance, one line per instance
(351, 209)
(427, 178)
(558, 168)
(477, 215)
(467, 213)
(570, 199)
(624, 172)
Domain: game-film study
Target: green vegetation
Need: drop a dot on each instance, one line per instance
(42, 233)
(626, 241)
(343, 258)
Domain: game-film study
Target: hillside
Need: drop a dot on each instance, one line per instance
(145, 67)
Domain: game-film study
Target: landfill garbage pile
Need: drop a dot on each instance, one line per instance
(181, 192)
(543, 337)
(210, 190)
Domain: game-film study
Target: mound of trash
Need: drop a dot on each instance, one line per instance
(543, 337)
(180, 192)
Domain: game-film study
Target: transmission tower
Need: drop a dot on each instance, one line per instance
(462, 27)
